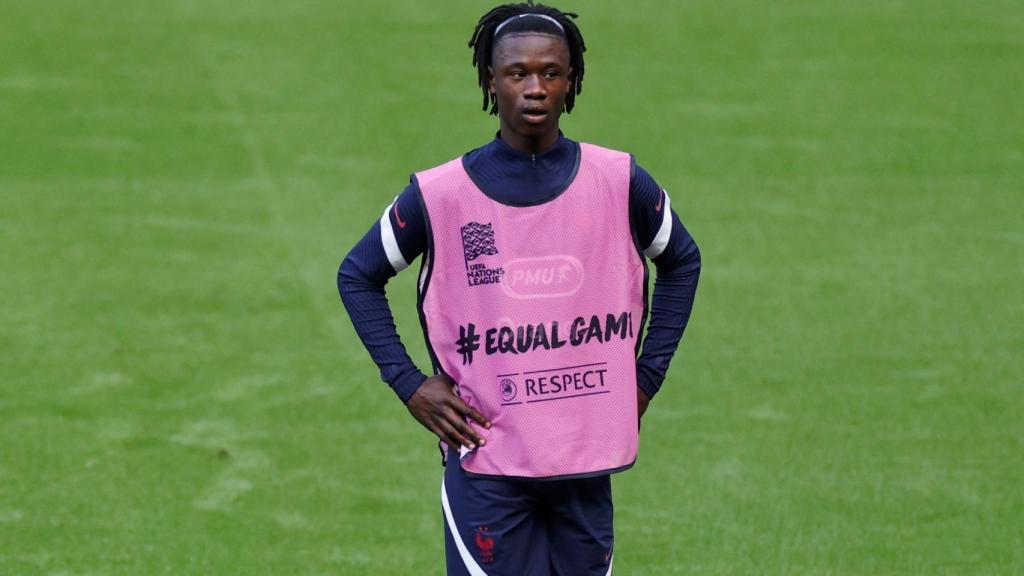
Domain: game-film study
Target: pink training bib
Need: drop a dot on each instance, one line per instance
(536, 312)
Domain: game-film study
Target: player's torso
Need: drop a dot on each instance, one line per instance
(535, 311)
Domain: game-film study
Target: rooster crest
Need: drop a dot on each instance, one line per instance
(485, 543)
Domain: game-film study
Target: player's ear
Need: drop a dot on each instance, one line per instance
(570, 83)
(490, 79)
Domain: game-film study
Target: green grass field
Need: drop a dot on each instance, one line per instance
(182, 393)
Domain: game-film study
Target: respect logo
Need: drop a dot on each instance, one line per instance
(508, 390)
(543, 277)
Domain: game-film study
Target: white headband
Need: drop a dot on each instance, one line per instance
(544, 16)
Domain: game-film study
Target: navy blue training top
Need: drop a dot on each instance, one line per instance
(518, 178)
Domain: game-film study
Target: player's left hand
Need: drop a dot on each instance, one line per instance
(642, 400)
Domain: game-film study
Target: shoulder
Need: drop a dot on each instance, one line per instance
(607, 160)
(597, 151)
(424, 178)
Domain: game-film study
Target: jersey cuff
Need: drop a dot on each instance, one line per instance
(645, 383)
(407, 385)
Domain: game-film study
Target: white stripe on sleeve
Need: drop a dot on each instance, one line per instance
(387, 237)
(664, 232)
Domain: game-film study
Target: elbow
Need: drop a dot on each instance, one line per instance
(693, 256)
(354, 279)
(348, 274)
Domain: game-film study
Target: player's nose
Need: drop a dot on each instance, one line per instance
(534, 88)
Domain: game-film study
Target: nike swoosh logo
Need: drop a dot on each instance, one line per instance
(398, 219)
(657, 207)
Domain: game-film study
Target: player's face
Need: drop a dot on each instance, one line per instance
(530, 77)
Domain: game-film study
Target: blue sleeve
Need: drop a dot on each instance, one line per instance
(362, 277)
(677, 265)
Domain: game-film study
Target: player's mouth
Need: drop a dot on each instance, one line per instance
(535, 115)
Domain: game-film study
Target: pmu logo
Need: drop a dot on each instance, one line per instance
(544, 277)
(477, 241)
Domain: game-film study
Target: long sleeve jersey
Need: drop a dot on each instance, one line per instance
(514, 177)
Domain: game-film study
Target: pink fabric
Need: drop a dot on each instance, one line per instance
(535, 312)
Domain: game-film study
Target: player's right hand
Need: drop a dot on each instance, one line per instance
(441, 411)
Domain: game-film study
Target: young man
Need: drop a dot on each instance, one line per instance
(533, 302)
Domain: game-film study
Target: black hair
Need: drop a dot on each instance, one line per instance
(485, 38)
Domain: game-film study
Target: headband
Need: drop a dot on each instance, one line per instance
(544, 16)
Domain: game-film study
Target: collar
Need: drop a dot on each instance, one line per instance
(562, 150)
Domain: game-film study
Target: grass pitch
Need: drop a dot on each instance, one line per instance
(181, 393)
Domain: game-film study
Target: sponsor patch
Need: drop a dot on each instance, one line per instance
(544, 277)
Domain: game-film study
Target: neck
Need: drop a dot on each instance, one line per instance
(528, 145)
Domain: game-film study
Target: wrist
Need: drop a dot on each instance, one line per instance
(644, 383)
(407, 385)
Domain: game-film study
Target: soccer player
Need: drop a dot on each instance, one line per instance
(533, 301)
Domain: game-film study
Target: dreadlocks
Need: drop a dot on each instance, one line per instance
(506, 19)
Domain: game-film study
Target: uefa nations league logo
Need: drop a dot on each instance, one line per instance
(477, 241)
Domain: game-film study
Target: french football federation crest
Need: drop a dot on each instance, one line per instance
(484, 545)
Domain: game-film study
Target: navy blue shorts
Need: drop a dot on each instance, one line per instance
(526, 528)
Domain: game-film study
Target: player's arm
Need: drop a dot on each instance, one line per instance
(394, 241)
(676, 258)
